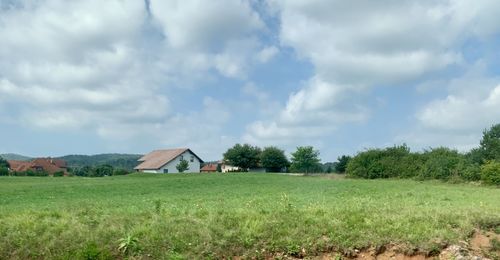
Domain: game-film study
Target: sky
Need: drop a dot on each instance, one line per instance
(131, 76)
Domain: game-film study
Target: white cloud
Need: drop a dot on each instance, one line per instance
(217, 34)
(471, 105)
(208, 26)
(462, 112)
(106, 66)
(357, 46)
(267, 54)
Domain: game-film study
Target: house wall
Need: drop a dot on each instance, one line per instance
(227, 168)
(194, 166)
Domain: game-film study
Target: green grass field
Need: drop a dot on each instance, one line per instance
(186, 216)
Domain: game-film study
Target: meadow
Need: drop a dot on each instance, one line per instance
(213, 216)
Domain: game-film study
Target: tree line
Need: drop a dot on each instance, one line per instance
(442, 163)
(479, 164)
(247, 157)
(85, 171)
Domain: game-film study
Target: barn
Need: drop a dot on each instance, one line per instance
(166, 161)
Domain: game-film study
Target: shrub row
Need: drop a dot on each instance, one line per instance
(86, 171)
(439, 163)
(99, 171)
(29, 173)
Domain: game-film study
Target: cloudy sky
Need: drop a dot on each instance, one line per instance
(129, 76)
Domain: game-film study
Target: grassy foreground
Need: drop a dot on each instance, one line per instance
(186, 216)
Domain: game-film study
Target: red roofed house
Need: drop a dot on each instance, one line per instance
(48, 165)
(165, 161)
(211, 167)
(19, 166)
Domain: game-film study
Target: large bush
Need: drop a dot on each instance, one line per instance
(442, 163)
(490, 173)
(102, 170)
(390, 162)
(58, 174)
(4, 163)
(120, 172)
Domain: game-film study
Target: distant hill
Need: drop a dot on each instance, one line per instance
(13, 156)
(123, 161)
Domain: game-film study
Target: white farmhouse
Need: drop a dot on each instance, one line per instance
(165, 161)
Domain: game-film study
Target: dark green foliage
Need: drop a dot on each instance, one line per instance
(30, 173)
(58, 174)
(273, 159)
(490, 144)
(390, 162)
(103, 170)
(329, 167)
(398, 162)
(474, 156)
(243, 156)
(4, 171)
(471, 172)
(98, 171)
(306, 159)
(122, 161)
(490, 173)
(442, 163)
(182, 166)
(219, 167)
(4, 163)
(18, 173)
(84, 171)
(117, 172)
(341, 165)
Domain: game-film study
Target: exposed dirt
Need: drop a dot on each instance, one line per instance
(479, 247)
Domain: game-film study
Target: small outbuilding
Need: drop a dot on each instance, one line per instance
(211, 167)
(166, 161)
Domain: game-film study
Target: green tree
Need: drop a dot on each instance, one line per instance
(85, 171)
(4, 171)
(305, 159)
(490, 144)
(182, 166)
(4, 163)
(102, 170)
(120, 172)
(219, 167)
(341, 164)
(273, 159)
(474, 156)
(243, 156)
(490, 173)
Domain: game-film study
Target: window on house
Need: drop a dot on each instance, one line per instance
(192, 158)
(182, 157)
(165, 170)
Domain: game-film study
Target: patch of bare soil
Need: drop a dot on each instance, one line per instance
(486, 243)
(481, 246)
